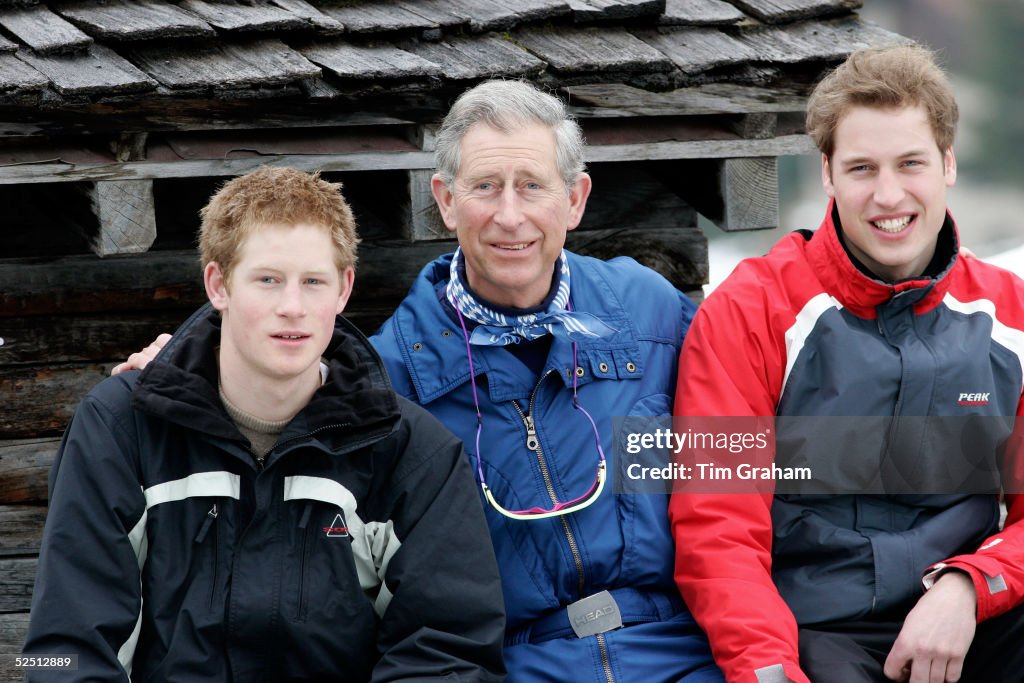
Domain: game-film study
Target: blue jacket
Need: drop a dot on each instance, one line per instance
(621, 541)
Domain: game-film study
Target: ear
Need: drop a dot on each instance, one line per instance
(347, 278)
(445, 200)
(216, 286)
(826, 177)
(578, 194)
(949, 167)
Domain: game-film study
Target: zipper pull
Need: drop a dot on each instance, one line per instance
(211, 517)
(531, 434)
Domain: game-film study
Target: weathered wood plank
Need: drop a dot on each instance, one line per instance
(423, 220)
(44, 172)
(694, 50)
(22, 529)
(831, 40)
(227, 65)
(783, 11)
(348, 60)
(627, 195)
(43, 31)
(500, 15)
(700, 13)
(24, 468)
(735, 194)
(118, 20)
(592, 49)
(470, 58)
(586, 11)
(311, 15)
(620, 100)
(99, 70)
(679, 254)
(126, 216)
(17, 77)
(13, 629)
(7, 46)
(42, 399)
(17, 577)
(70, 338)
(252, 15)
(371, 16)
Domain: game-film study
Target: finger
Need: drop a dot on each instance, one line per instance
(954, 669)
(120, 367)
(161, 340)
(897, 666)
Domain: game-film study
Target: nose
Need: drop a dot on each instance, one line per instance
(888, 189)
(509, 213)
(290, 304)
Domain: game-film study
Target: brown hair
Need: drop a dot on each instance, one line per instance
(891, 77)
(279, 196)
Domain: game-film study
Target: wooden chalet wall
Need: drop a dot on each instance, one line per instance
(119, 118)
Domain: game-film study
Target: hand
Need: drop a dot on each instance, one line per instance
(937, 633)
(139, 360)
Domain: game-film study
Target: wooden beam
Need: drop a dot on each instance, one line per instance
(125, 212)
(24, 468)
(423, 221)
(23, 529)
(735, 194)
(17, 577)
(42, 399)
(13, 629)
(679, 254)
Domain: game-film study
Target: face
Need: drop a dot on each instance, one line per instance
(889, 181)
(510, 210)
(279, 302)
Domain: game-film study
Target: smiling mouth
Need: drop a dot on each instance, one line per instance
(290, 337)
(893, 225)
(514, 247)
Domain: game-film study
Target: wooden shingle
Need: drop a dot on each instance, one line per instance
(117, 20)
(7, 45)
(700, 13)
(346, 60)
(253, 15)
(473, 57)
(99, 70)
(43, 31)
(592, 49)
(17, 76)
(828, 40)
(311, 15)
(370, 16)
(498, 15)
(605, 10)
(257, 63)
(694, 50)
(783, 11)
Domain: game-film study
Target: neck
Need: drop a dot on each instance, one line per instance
(266, 398)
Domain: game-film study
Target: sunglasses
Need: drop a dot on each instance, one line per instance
(563, 508)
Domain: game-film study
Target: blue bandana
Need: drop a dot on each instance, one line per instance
(498, 329)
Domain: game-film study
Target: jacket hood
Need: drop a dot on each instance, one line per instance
(861, 293)
(181, 384)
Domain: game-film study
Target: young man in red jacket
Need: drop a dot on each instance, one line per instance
(874, 315)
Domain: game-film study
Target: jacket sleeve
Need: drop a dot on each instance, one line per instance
(732, 365)
(997, 567)
(445, 618)
(87, 596)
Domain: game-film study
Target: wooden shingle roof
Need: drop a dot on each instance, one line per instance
(73, 54)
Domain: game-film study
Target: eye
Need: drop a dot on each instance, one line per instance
(267, 279)
(314, 281)
(485, 186)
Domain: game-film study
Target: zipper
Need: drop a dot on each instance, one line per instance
(303, 524)
(208, 523)
(606, 662)
(533, 444)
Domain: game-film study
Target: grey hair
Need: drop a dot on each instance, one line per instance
(506, 105)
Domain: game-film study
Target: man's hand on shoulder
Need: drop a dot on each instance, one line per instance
(937, 633)
(140, 359)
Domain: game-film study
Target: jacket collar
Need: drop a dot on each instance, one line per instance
(863, 294)
(434, 349)
(180, 386)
